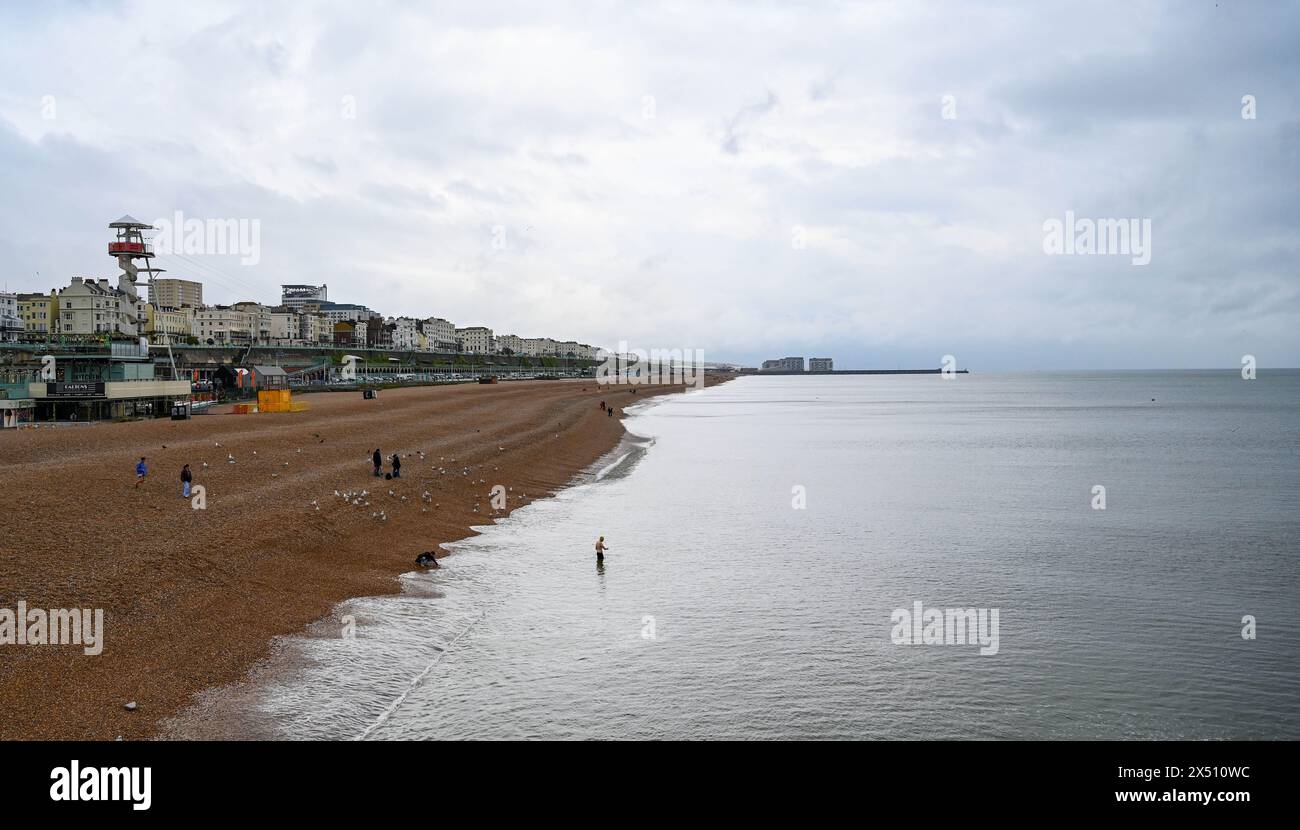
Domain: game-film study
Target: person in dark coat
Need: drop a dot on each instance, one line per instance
(397, 466)
(379, 463)
(186, 478)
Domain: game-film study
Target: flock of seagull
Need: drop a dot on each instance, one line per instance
(361, 498)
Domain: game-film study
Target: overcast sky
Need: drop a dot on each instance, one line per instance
(754, 180)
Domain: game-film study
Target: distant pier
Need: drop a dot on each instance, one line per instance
(855, 372)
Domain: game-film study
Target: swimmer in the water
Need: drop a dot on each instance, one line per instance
(600, 549)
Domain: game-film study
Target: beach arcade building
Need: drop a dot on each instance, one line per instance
(94, 387)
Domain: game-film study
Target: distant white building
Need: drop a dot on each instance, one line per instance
(11, 325)
(312, 328)
(286, 328)
(440, 335)
(221, 324)
(407, 334)
(259, 317)
(785, 364)
(510, 342)
(342, 312)
(570, 349)
(540, 347)
(476, 340)
(95, 308)
(821, 364)
(296, 296)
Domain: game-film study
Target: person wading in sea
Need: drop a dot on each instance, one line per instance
(600, 549)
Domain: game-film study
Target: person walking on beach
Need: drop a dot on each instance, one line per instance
(609, 413)
(397, 466)
(600, 549)
(186, 478)
(379, 463)
(141, 471)
(602, 406)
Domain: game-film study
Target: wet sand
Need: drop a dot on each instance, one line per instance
(192, 598)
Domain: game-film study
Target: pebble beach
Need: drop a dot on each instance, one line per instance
(293, 522)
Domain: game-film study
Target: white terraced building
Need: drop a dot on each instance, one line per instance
(510, 342)
(406, 333)
(286, 328)
(784, 364)
(93, 307)
(476, 340)
(11, 325)
(223, 324)
(540, 347)
(440, 335)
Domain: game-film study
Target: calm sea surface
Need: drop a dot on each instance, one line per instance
(723, 611)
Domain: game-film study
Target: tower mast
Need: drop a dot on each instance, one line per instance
(129, 246)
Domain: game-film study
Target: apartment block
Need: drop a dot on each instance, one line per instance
(175, 293)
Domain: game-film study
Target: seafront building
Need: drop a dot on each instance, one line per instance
(821, 364)
(93, 307)
(510, 344)
(296, 296)
(407, 333)
(222, 324)
(476, 340)
(784, 364)
(92, 310)
(39, 313)
(169, 325)
(540, 347)
(440, 334)
(11, 324)
(168, 292)
(107, 341)
(120, 384)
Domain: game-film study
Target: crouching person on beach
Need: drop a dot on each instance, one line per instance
(186, 478)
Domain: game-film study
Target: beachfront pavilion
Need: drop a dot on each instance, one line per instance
(98, 386)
